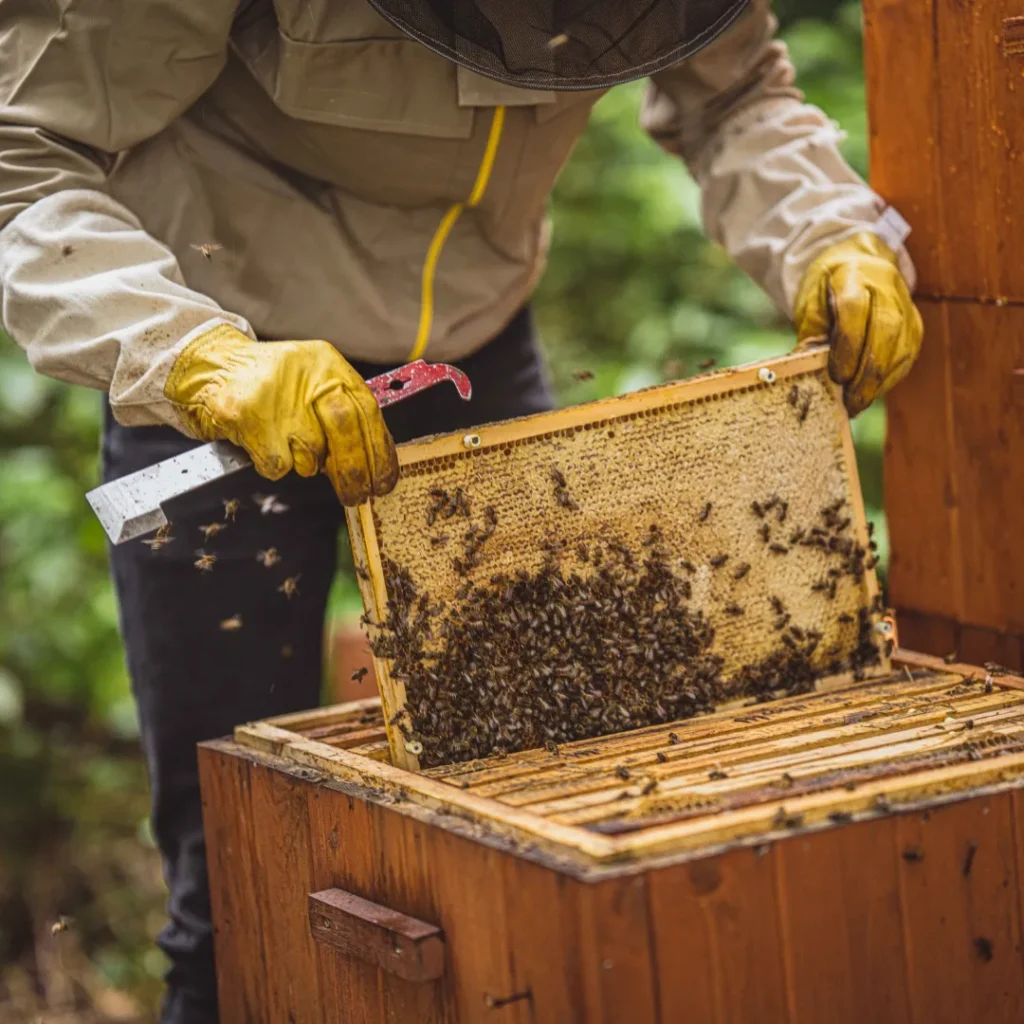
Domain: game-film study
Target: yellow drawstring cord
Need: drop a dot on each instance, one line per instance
(444, 229)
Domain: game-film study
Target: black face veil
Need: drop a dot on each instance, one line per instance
(563, 44)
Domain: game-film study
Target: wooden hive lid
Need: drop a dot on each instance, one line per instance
(747, 479)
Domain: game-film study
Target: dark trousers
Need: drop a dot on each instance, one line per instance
(195, 680)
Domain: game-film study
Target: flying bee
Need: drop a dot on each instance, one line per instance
(207, 249)
(204, 563)
(269, 505)
(161, 540)
(268, 558)
(61, 925)
(359, 675)
(231, 507)
(583, 375)
(230, 625)
(708, 363)
(211, 530)
(290, 587)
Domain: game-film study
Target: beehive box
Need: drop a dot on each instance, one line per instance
(620, 564)
(841, 856)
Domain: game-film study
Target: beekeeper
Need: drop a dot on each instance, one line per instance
(182, 181)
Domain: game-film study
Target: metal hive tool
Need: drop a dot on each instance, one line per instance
(746, 464)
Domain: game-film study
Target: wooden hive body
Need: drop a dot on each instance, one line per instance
(843, 856)
(728, 478)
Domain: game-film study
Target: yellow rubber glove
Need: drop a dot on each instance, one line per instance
(290, 404)
(854, 296)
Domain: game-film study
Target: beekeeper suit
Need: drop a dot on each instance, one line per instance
(183, 180)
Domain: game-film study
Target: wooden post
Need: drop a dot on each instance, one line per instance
(945, 85)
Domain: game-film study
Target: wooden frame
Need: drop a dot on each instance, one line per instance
(585, 853)
(364, 534)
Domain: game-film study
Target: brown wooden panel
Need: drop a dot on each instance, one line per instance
(343, 855)
(714, 925)
(238, 932)
(986, 344)
(927, 634)
(903, 122)
(980, 91)
(284, 879)
(402, 878)
(616, 953)
(542, 917)
(467, 879)
(841, 926)
(920, 487)
(963, 926)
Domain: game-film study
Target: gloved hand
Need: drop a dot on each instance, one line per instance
(854, 295)
(290, 404)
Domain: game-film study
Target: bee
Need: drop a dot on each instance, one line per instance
(207, 249)
(783, 511)
(708, 363)
(705, 512)
(840, 817)
(778, 549)
(211, 530)
(551, 747)
(558, 477)
(913, 854)
(777, 606)
(230, 625)
(794, 395)
(359, 675)
(583, 375)
(845, 618)
(622, 772)
(66, 250)
(555, 43)
(231, 507)
(268, 558)
(983, 947)
(733, 609)
(719, 560)
(673, 738)
(269, 505)
(687, 565)
(61, 925)
(662, 757)
(161, 540)
(765, 532)
(950, 658)
(741, 570)
(204, 563)
(797, 535)
(717, 775)
(755, 507)
(805, 408)
(290, 587)
(649, 787)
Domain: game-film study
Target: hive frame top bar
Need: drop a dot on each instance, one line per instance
(420, 456)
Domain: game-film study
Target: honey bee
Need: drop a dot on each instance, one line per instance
(556, 42)
(673, 738)
(662, 757)
(230, 625)
(719, 560)
(161, 540)
(717, 775)
(268, 558)
(359, 675)
(705, 512)
(231, 506)
(708, 363)
(290, 587)
(61, 925)
(207, 249)
(204, 563)
(211, 530)
(622, 772)
(649, 787)
(583, 375)
(269, 504)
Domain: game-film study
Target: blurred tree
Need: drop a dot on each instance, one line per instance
(634, 293)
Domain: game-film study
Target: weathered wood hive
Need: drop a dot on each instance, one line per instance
(837, 841)
(838, 857)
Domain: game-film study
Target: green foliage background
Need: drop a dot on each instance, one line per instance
(634, 294)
